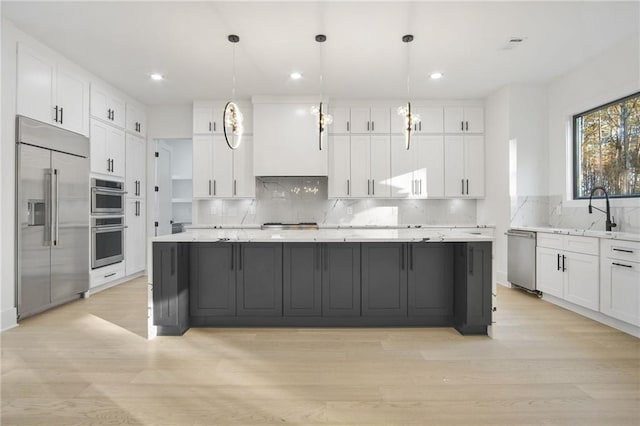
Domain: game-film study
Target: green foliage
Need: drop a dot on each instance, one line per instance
(607, 142)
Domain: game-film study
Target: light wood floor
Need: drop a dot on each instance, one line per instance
(88, 363)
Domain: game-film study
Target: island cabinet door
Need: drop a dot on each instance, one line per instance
(384, 279)
(302, 279)
(472, 293)
(259, 279)
(170, 288)
(341, 280)
(430, 288)
(213, 279)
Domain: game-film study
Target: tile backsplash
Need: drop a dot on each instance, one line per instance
(553, 211)
(304, 199)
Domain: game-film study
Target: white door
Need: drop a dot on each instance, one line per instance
(403, 162)
(115, 150)
(222, 168)
(454, 120)
(244, 183)
(360, 120)
(431, 119)
(339, 166)
(202, 171)
(360, 166)
(35, 85)
(429, 171)
(381, 166)
(98, 143)
(202, 120)
(474, 119)
(341, 119)
(474, 166)
(165, 190)
(380, 120)
(454, 185)
(582, 279)
(72, 97)
(620, 291)
(549, 275)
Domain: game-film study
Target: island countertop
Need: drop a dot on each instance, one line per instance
(323, 235)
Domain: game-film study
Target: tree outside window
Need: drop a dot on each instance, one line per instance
(607, 149)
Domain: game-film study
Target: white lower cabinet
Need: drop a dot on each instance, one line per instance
(135, 236)
(620, 280)
(464, 166)
(566, 274)
(339, 167)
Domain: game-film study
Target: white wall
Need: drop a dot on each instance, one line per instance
(495, 207)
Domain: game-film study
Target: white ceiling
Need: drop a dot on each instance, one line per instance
(364, 57)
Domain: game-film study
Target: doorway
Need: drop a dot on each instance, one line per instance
(173, 185)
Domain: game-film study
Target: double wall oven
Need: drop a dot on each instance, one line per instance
(107, 222)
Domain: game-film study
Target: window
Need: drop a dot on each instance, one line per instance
(606, 142)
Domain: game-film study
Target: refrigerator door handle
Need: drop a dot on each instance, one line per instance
(48, 230)
(57, 207)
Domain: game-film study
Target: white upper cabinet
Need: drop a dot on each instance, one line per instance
(341, 118)
(207, 118)
(222, 158)
(202, 166)
(370, 166)
(108, 106)
(370, 120)
(50, 92)
(463, 120)
(107, 150)
(431, 120)
(464, 166)
(419, 171)
(244, 182)
(135, 166)
(339, 166)
(136, 119)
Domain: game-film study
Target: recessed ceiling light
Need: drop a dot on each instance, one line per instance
(296, 75)
(157, 77)
(436, 75)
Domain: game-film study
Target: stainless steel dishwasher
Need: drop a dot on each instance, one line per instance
(521, 268)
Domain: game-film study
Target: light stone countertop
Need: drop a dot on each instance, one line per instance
(324, 235)
(613, 235)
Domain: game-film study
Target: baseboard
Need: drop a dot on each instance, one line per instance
(8, 319)
(501, 278)
(108, 285)
(596, 316)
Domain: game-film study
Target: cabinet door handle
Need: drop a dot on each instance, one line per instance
(209, 186)
(373, 187)
(368, 187)
(420, 126)
(367, 126)
(113, 115)
(621, 264)
(214, 126)
(56, 110)
(348, 187)
(622, 250)
(420, 190)
(462, 126)
(348, 126)
(467, 186)
(109, 114)
(209, 126)
(108, 164)
(232, 251)
(402, 257)
(214, 187)
(563, 266)
(240, 254)
(235, 186)
(558, 262)
(467, 126)
(373, 126)
(471, 261)
(462, 180)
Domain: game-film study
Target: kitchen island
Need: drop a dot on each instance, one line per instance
(323, 277)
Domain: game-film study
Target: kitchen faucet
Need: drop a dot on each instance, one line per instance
(609, 224)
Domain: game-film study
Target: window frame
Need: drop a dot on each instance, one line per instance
(576, 149)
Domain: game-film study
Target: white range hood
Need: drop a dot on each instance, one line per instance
(285, 137)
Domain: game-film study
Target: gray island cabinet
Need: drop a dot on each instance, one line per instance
(209, 284)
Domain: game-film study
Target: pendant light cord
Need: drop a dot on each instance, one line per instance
(233, 78)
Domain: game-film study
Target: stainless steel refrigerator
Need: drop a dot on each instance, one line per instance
(53, 197)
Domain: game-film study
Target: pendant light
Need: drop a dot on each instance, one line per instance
(410, 119)
(323, 118)
(232, 117)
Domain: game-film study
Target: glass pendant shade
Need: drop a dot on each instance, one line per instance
(323, 119)
(232, 116)
(410, 122)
